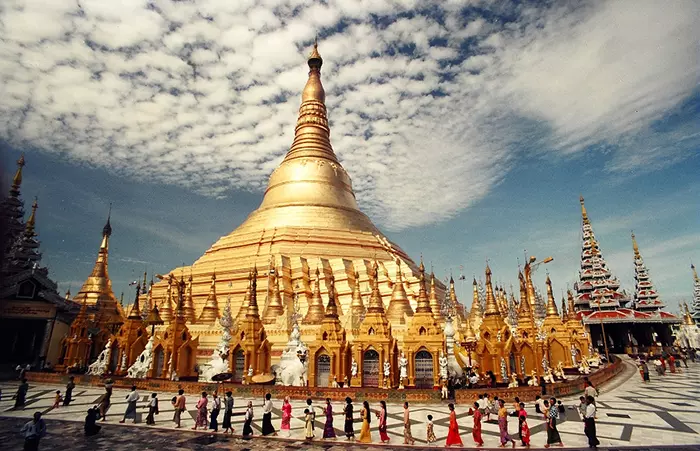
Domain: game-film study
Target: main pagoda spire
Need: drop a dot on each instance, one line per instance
(310, 188)
(645, 295)
(12, 211)
(597, 286)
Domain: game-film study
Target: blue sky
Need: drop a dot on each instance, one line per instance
(469, 128)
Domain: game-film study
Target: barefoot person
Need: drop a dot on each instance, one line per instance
(131, 400)
(228, 412)
(453, 437)
(201, 420)
(267, 427)
(179, 406)
(553, 437)
(286, 416)
(589, 421)
(407, 436)
(349, 426)
(328, 430)
(503, 424)
(476, 430)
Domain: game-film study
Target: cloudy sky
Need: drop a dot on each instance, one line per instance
(469, 127)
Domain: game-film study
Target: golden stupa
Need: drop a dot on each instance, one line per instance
(309, 219)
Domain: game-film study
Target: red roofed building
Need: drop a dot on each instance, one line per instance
(630, 323)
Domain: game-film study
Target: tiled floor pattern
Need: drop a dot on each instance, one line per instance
(665, 411)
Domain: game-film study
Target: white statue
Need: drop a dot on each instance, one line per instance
(387, 369)
(293, 364)
(548, 376)
(584, 367)
(403, 366)
(250, 371)
(443, 366)
(174, 376)
(142, 365)
(353, 368)
(534, 381)
(513, 381)
(560, 371)
(122, 366)
(219, 362)
(99, 366)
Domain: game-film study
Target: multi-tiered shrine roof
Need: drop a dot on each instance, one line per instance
(598, 296)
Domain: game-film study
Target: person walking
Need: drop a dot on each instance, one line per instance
(524, 432)
(214, 416)
(228, 412)
(21, 396)
(553, 437)
(105, 400)
(131, 400)
(286, 417)
(308, 425)
(522, 413)
(201, 406)
(430, 431)
(590, 390)
(503, 424)
(69, 391)
(248, 421)
(328, 430)
(407, 436)
(383, 436)
(57, 400)
(267, 427)
(476, 430)
(349, 427)
(453, 437)
(589, 423)
(152, 409)
(179, 407)
(365, 414)
(644, 369)
(33, 431)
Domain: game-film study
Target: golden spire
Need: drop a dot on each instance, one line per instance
(210, 312)
(315, 313)
(375, 301)
(166, 308)
(97, 288)
(687, 318)
(469, 332)
(434, 303)
(17, 179)
(275, 308)
(564, 313)
(399, 305)
(423, 301)
(332, 307)
(695, 273)
(189, 301)
(246, 301)
(252, 311)
(584, 213)
(475, 312)
(491, 305)
(135, 313)
(524, 310)
(357, 307)
(570, 301)
(635, 247)
(31, 222)
(551, 305)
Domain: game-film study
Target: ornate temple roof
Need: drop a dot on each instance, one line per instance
(695, 305)
(596, 288)
(645, 296)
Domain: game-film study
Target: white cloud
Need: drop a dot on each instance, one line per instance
(185, 93)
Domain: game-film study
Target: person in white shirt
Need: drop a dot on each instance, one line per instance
(589, 421)
(131, 399)
(152, 409)
(214, 415)
(267, 427)
(590, 390)
(33, 431)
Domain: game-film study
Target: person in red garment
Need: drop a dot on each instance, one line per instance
(453, 437)
(476, 430)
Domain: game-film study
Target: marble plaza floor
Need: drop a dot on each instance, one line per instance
(665, 411)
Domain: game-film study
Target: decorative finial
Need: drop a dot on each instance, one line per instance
(32, 219)
(17, 180)
(107, 230)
